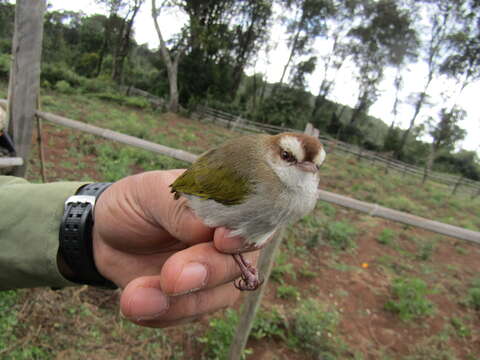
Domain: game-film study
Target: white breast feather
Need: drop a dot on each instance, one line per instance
(258, 217)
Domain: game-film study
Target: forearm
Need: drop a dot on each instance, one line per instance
(30, 216)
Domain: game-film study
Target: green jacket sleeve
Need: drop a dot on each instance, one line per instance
(30, 216)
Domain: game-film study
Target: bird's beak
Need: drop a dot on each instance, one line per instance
(308, 166)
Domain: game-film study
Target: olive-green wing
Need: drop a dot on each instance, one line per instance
(209, 179)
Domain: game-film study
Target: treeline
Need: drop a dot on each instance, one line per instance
(206, 62)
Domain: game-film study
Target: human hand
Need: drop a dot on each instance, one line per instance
(165, 259)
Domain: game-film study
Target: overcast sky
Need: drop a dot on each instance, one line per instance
(345, 90)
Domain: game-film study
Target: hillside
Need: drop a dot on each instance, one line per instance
(345, 285)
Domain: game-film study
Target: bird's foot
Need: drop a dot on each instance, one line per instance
(249, 278)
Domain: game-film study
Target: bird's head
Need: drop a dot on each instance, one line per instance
(296, 158)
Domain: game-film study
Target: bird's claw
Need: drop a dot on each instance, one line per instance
(249, 280)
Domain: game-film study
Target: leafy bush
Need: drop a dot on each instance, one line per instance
(473, 297)
(54, 73)
(282, 268)
(268, 324)
(409, 299)
(288, 292)
(64, 87)
(219, 336)
(96, 85)
(313, 330)
(132, 101)
(340, 235)
(386, 237)
(4, 66)
(426, 250)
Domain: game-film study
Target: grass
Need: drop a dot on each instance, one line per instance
(314, 330)
(312, 261)
(409, 299)
(340, 235)
(386, 237)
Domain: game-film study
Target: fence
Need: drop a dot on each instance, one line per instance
(23, 95)
(238, 123)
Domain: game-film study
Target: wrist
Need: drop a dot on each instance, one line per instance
(75, 257)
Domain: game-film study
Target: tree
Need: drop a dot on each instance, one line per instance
(445, 134)
(338, 24)
(171, 59)
(440, 22)
(250, 33)
(309, 23)
(384, 37)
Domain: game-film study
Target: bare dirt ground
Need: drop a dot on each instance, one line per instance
(84, 322)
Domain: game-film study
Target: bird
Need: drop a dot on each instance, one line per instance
(253, 185)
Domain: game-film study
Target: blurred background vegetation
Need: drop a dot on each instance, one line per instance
(96, 53)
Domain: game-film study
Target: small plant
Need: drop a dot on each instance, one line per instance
(288, 292)
(409, 299)
(64, 87)
(327, 209)
(473, 297)
(219, 336)
(341, 235)
(268, 324)
(461, 329)
(386, 237)
(306, 272)
(426, 251)
(282, 268)
(314, 330)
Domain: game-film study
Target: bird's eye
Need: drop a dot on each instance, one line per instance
(287, 156)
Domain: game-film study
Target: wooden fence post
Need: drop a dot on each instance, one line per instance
(253, 300)
(24, 84)
(457, 184)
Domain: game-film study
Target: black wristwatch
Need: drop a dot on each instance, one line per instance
(76, 247)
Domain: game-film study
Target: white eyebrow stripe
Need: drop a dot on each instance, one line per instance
(292, 144)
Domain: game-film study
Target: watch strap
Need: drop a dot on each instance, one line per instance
(76, 243)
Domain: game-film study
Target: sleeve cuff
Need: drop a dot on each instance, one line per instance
(29, 228)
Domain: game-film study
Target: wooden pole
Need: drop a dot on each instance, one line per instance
(390, 214)
(122, 138)
(254, 299)
(25, 75)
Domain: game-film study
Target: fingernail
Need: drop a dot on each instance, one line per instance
(192, 277)
(150, 303)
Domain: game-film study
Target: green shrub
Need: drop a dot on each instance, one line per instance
(288, 292)
(219, 336)
(282, 268)
(386, 237)
(409, 299)
(96, 86)
(426, 250)
(5, 60)
(314, 330)
(473, 297)
(64, 87)
(461, 329)
(268, 324)
(54, 73)
(137, 102)
(340, 235)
